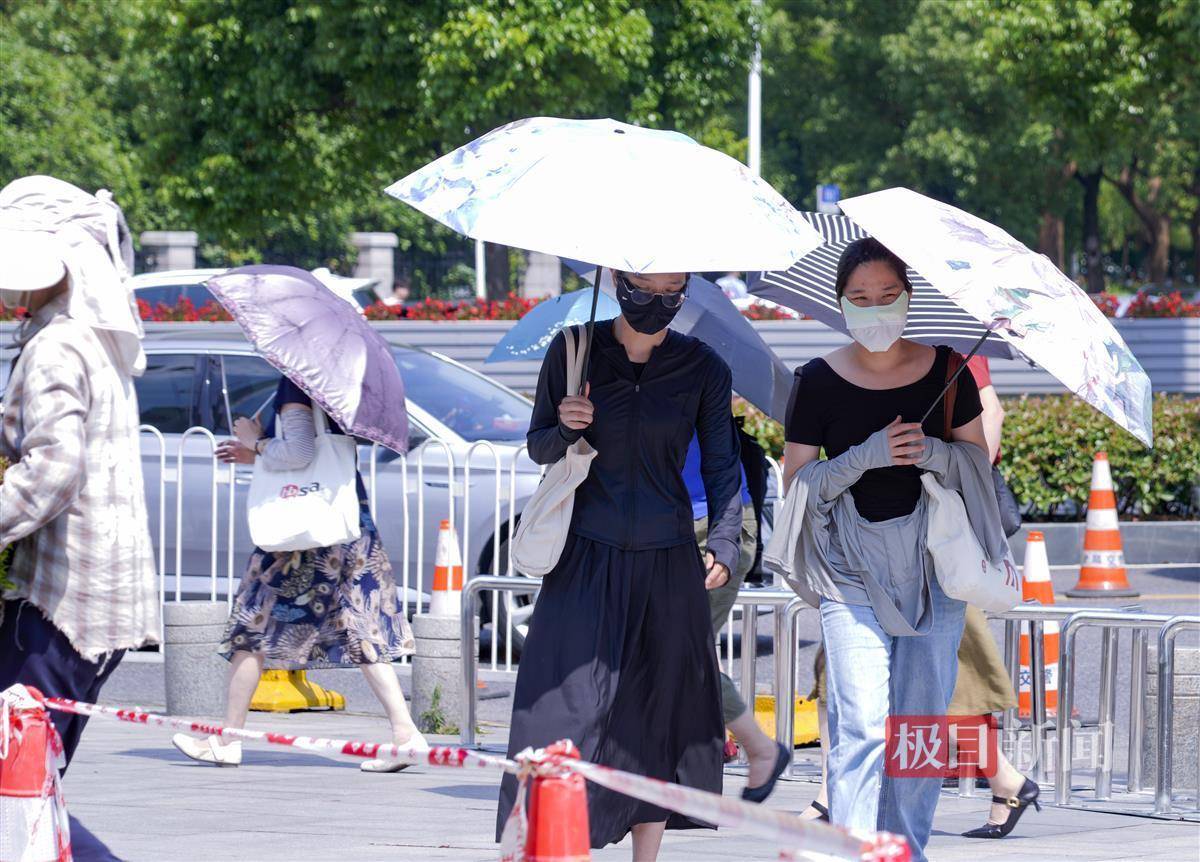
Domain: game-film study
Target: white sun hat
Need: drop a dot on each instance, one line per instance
(30, 260)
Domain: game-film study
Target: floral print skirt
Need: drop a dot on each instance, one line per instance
(325, 607)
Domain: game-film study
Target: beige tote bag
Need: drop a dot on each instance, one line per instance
(542, 532)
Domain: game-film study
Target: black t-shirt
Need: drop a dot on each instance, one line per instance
(829, 411)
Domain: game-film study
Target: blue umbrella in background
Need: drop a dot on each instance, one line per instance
(532, 335)
(758, 374)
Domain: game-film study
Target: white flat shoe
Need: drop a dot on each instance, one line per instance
(381, 764)
(209, 750)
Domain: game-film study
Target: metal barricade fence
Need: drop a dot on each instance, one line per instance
(1111, 622)
(787, 608)
(1164, 750)
(413, 508)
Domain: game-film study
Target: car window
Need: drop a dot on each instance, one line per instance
(167, 392)
(171, 294)
(472, 406)
(250, 383)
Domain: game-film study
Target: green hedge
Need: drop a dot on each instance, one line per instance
(1049, 444)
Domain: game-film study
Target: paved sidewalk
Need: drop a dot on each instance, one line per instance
(135, 792)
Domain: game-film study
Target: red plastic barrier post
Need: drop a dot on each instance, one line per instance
(558, 814)
(32, 808)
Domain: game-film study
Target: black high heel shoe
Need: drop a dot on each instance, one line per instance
(1026, 796)
(783, 759)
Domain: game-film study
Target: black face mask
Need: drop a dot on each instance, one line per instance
(646, 318)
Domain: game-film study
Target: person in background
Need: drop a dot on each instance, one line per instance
(767, 759)
(984, 685)
(323, 607)
(72, 503)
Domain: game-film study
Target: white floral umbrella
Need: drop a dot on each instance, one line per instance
(992, 276)
(624, 197)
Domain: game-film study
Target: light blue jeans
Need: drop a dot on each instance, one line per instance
(870, 674)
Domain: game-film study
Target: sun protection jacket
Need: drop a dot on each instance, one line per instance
(634, 498)
(825, 549)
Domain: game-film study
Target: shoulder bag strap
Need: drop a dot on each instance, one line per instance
(569, 339)
(953, 362)
(576, 337)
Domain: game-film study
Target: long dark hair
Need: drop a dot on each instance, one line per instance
(868, 250)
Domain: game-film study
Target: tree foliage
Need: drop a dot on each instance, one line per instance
(272, 126)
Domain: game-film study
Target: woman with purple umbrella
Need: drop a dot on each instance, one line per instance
(331, 606)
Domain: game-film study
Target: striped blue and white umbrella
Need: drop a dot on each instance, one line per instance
(807, 287)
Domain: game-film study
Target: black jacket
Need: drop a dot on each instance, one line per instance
(634, 497)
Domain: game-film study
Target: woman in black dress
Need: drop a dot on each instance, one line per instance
(620, 657)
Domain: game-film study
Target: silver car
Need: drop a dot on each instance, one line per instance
(199, 378)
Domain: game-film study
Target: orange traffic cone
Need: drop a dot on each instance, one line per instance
(447, 574)
(1037, 587)
(1103, 569)
(558, 815)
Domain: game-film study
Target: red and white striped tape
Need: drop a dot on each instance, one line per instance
(436, 756)
(800, 837)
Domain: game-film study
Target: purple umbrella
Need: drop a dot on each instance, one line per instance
(322, 344)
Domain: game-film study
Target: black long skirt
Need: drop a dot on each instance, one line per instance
(620, 659)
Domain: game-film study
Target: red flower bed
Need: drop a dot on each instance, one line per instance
(760, 311)
(184, 311)
(511, 308)
(1149, 305)
(1107, 303)
(1165, 305)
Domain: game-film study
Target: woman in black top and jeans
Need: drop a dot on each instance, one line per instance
(890, 633)
(620, 656)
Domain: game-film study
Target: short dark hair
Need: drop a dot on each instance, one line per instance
(868, 250)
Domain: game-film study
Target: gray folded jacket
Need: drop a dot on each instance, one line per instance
(825, 549)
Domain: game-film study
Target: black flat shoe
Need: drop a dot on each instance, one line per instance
(1028, 795)
(760, 793)
(821, 810)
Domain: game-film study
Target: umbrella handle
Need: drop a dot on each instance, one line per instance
(591, 324)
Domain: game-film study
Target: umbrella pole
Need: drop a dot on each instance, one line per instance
(961, 369)
(591, 324)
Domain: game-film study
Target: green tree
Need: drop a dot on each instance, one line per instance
(63, 108)
(969, 137)
(1081, 68)
(830, 113)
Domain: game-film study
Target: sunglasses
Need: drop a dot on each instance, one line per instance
(638, 296)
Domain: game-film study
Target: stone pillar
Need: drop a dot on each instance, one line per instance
(377, 258)
(196, 677)
(437, 673)
(1185, 769)
(170, 249)
(543, 277)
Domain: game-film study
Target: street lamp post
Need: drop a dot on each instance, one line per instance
(754, 104)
